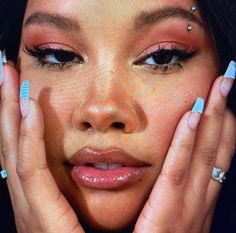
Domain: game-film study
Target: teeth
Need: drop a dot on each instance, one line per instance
(103, 166)
(107, 166)
(114, 166)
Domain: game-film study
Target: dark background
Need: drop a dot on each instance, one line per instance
(224, 219)
(225, 215)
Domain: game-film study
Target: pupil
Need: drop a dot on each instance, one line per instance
(64, 57)
(163, 57)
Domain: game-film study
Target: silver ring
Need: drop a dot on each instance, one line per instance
(4, 173)
(218, 174)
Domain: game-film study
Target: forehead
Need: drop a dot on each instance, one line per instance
(109, 14)
(108, 9)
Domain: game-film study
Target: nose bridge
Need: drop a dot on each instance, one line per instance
(108, 106)
(107, 77)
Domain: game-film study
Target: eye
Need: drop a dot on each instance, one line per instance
(162, 57)
(58, 58)
(165, 60)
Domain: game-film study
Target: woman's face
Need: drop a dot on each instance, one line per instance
(113, 74)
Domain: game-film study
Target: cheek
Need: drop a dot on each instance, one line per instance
(164, 103)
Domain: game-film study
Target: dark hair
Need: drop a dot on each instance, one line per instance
(219, 14)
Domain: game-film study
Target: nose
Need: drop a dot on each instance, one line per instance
(101, 114)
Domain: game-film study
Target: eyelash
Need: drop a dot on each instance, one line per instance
(65, 58)
(177, 57)
(70, 58)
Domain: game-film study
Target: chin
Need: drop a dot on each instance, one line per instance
(108, 210)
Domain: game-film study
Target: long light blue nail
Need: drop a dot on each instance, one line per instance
(1, 65)
(199, 105)
(3, 59)
(231, 70)
(24, 90)
(4, 173)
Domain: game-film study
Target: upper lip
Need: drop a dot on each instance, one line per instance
(88, 155)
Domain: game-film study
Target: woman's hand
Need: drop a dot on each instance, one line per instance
(38, 204)
(184, 196)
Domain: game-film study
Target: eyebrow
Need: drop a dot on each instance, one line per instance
(58, 21)
(153, 17)
(144, 19)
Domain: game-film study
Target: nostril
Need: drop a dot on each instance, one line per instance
(86, 125)
(118, 125)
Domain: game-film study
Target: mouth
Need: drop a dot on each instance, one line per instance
(105, 169)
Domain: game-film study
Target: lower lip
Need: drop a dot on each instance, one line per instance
(95, 178)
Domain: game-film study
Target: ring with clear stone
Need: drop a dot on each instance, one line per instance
(218, 174)
(3, 173)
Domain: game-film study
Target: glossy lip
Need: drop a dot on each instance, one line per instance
(83, 173)
(113, 155)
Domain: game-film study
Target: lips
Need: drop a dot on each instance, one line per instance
(105, 169)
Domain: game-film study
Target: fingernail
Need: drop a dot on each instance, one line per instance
(229, 76)
(3, 59)
(195, 116)
(24, 96)
(199, 105)
(231, 70)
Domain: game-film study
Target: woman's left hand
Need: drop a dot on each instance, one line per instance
(184, 196)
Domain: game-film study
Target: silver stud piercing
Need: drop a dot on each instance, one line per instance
(189, 27)
(193, 9)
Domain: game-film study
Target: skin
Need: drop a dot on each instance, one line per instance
(155, 102)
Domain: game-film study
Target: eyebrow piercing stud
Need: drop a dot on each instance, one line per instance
(193, 9)
(189, 27)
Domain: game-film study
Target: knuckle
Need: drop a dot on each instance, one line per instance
(24, 175)
(24, 170)
(29, 135)
(217, 110)
(25, 134)
(175, 177)
(207, 155)
(181, 147)
(43, 167)
(7, 101)
(4, 149)
(186, 146)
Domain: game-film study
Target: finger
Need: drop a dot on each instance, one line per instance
(172, 179)
(10, 117)
(37, 181)
(11, 63)
(207, 142)
(176, 165)
(224, 154)
(10, 124)
(208, 221)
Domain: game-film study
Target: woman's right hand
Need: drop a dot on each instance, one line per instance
(38, 204)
